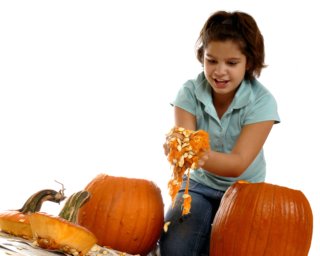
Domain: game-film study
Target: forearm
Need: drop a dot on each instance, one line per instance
(246, 149)
(225, 164)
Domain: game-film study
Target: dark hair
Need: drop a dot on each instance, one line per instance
(240, 28)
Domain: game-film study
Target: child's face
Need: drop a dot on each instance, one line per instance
(224, 66)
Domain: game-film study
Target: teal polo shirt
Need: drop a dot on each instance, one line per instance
(252, 103)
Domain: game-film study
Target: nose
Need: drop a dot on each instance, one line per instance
(220, 69)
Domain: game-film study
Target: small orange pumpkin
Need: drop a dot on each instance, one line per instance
(16, 222)
(262, 219)
(125, 214)
(62, 232)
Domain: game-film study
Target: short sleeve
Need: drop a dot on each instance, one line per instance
(186, 98)
(264, 108)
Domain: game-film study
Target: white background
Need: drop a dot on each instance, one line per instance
(85, 88)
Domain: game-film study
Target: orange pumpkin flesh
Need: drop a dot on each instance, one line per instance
(262, 219)
(16, 222)
(125, 214)
(62, 232)
(56, 233)
(186, 147)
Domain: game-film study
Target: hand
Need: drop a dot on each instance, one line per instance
(203, 160)
(166, 147)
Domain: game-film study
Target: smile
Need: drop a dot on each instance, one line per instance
(220, 83)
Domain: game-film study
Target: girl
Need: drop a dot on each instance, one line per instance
(237, 111)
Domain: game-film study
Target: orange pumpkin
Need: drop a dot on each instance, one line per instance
(62, 232)
(262, 219)
(125, 214)
(16, 222)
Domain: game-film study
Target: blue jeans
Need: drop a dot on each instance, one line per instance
(189, 235)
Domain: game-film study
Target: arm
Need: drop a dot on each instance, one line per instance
(247, 147)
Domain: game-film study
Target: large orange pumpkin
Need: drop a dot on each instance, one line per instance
(125, 214)
(262, 219)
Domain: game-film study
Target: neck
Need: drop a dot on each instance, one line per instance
(221, 103)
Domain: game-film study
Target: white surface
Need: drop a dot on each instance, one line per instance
(16, 246)
(85, 88)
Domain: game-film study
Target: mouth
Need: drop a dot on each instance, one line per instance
(221, 83)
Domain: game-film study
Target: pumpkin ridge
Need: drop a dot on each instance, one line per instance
(244, 199)
(230, 207)
(121, 214)
(269, 224)
(300, 208)
(306, 212)
(253, 206)
(308, 220)
(119, 210)
(145, 242)
(104, 205)
(220, 222)
(227, 225)
(143, 218)
(136, 193)
(273, 219)
(300, 218)
(292, 220)
(148, 224)
(106, 202)
(265, 196)
(284, 212)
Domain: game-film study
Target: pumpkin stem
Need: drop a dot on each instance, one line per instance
(34, 203)
(70, 210)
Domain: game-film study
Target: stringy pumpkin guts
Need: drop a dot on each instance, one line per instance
(186, 147)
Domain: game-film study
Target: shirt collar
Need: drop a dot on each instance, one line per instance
(243, 95)
(241, 99)
(203, 93)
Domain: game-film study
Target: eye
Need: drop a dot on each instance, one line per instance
(232, 63)
(211, 61)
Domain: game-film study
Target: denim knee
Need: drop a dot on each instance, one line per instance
(188, 235)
